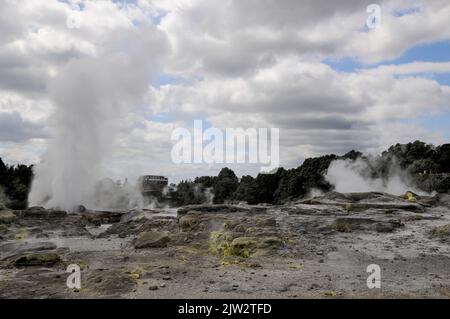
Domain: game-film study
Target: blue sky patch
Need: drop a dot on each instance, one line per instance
(433, 52)
(163, 117)
(405, 11)
(165, 79)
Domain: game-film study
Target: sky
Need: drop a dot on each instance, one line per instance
(310, 68)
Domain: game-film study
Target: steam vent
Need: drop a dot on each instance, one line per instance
(153, 185)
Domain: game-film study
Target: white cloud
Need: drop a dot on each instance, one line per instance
(230, 38)
(317, 109)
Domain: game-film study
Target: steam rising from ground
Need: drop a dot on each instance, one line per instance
(354, 176)
(3, 199)
(209, 195)
(90, 94)
(109, 194)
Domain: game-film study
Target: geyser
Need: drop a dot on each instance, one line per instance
(90, 95)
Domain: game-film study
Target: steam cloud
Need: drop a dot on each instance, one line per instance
(354, 176)
(90, 94)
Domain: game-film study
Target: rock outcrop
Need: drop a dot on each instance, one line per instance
(152, 239)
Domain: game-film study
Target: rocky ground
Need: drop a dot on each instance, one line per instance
(316, 248)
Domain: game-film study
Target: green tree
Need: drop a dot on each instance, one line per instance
(225, 186)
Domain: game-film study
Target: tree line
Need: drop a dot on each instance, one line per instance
(428, 165)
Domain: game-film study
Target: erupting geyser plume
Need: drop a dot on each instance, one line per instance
(90, 94)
